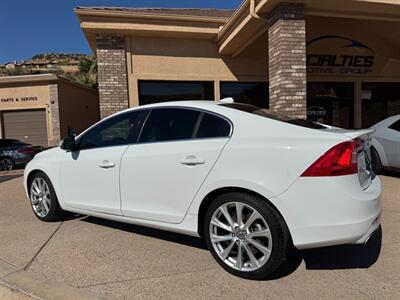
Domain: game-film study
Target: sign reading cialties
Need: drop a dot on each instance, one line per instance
(19, 99)
(349, 56)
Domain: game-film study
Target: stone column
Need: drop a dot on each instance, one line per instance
(112, 74)
(287, 60)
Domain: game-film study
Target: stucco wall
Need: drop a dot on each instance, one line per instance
(78, 105)
(191, 59)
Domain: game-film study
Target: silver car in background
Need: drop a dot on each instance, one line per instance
(385, 150)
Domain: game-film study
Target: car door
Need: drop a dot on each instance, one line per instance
(90, 175)
(161, 174)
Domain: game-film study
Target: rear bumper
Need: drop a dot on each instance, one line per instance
(331, 211)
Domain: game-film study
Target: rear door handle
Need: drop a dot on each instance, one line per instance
(192, 160)
(105, 164)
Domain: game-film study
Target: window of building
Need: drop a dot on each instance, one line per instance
(331, 103)
(255, 93)
(212, 126)
(395, 126)
(169, 124)
(153, 91)
(119, 130)
(379, 101)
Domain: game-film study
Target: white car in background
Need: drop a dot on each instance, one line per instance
(249, 181)
(385, 150)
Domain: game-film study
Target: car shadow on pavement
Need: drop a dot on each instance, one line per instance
(327, 258)
(333, 258)
(150, 232)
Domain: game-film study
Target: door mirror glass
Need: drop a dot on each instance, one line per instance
(68, 143)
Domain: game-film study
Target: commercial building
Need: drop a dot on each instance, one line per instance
(336, 62)
(38, 109)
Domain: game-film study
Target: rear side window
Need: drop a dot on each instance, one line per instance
(266, 113)
(169, 124)
(395, 126)
(212, 126)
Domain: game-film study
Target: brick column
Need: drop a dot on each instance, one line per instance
(287, 60)
(55, 135)
(112, 74)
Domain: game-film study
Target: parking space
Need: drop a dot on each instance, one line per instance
(123, 261)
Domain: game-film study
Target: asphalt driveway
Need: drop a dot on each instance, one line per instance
(121, 261)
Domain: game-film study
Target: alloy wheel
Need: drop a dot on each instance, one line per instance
(40, 197)
(240, 236)
(6, 164)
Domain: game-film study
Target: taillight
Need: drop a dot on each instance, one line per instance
(339, 160)
(26, 151)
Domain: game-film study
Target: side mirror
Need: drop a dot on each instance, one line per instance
(68, 143)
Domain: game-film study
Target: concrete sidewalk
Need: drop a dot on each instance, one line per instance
(119, 261)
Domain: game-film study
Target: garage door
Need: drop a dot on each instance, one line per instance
(28, 126)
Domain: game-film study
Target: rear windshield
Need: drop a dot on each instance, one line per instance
(266, 113)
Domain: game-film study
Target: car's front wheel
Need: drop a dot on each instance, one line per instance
(246, 236)
(43, 198)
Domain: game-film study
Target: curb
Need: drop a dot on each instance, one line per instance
(31, 285)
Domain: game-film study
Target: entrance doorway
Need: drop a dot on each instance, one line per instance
(331, 103)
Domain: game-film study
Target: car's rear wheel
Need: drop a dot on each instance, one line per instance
(246, 236)
(43, 198)
(6, 164)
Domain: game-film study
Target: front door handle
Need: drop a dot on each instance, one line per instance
(105, 164)
(192, 160)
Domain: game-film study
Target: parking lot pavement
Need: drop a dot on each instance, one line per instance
(121, 261)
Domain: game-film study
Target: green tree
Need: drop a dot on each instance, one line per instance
(87, 73)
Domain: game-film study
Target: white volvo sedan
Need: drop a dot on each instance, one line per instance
(250, 181)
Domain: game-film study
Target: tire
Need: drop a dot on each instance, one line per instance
(43, 199)
(376, 162)
(6, 164)
(277, 241)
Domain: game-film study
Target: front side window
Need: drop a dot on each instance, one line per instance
(119, 130)
(395, 126)
(169, 124)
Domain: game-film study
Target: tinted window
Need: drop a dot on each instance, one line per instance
(395, 126)
(273, 115)
(120, 130)
(152, 91)
(255, 93)
(212, 126)
(379, 101)
(12, 143)
(169, 124)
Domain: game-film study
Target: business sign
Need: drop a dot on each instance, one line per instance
(333, 54)
(24, 97)
(18, 99)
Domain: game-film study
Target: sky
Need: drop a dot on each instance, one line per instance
(29, 27)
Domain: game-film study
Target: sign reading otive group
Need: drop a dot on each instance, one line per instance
(332, 54)
(18, 99)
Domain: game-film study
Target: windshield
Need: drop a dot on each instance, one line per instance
(266, 113)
